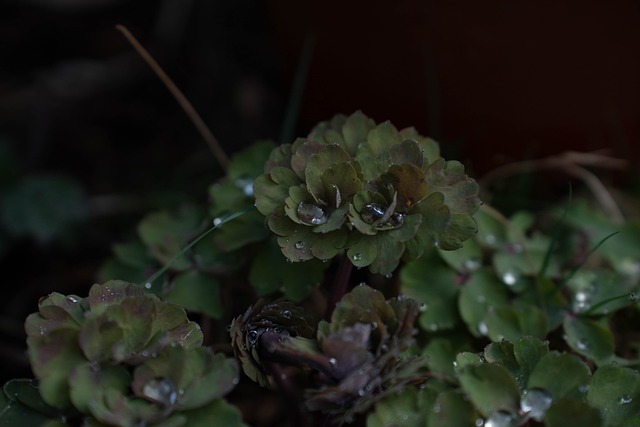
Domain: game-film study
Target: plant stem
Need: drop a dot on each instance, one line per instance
(191, 112)
(340, 285)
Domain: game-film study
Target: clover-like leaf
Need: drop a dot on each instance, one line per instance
(615, 391)
(491, 388)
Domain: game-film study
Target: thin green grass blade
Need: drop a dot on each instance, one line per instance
(218, 222)
(299, 83)
(586, 258)
(554, 240)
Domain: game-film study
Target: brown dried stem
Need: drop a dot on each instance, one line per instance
(572, 163)
(191, 112)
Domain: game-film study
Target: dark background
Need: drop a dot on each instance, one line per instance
(493, 81)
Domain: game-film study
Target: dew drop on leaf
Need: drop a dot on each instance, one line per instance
(72, 299)
(357, 256)
(581, 301)
(499, 419)
(482, 328)
(625, 400)
(479, 422)
(311, 214)
(509, 278)
(300, 245)
(471, 264)
(286, 314)
(535, 402)
(633, 297)
(147, 285)
(217, 222)
(582, 345)
(583, 388)
(161, 391)
(372, 212)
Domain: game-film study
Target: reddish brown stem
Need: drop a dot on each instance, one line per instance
(340, 285)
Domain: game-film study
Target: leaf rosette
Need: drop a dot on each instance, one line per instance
(366, 342)
(262, 326)
(379, 193)
(122, 356)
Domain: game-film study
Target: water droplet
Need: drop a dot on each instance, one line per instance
(72, 299)
(357, 256)
(471, 264)
(388, 275)
(374, 326)
(286, 314)
(535, 402)
(509, 278)
(482, 328)
(300, 245)
(633, 297)
(252, 337)
(583, 388)
(234, 381)
(625, 399)
(479, 422)
(311, 214)
(372, 212)
(246, 185)
(333, 362)
(582, 345)
(161, 391)
(499, 419)
(455, 363)
(217, 222)
(43, 330)
(423, 307)
(147, 285)
(361, 392)
(581, 301)
(490, 239)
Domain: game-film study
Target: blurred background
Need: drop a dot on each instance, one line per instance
(90, 139)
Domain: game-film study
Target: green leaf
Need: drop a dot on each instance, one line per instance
(355, 130)
(574, 373)
(406, 409)
(442, 351)
(615, 391)
(379, 140)
(87, 382)
(219, 412)
(406, 152)
(464, 260)
(434, 285)
(513, 322)
(44, 207)
(272, 189)
(491, 388)
(166, 233)
(249, 162)
(52, 358)
(270, 273)
(452, 409)
(363, 250)
(197, 292)
(568, 412)
(26, 392)
(590, 338)
(481, 291)
(15, 413)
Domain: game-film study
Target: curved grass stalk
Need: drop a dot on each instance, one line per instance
(217, 223)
